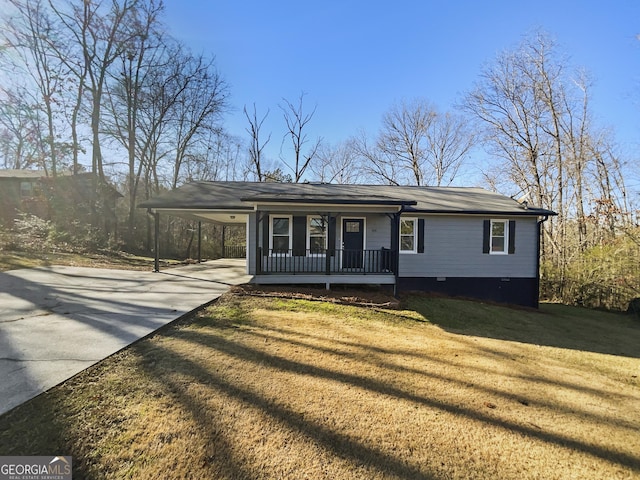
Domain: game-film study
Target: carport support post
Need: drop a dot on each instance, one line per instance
(199, 242)
(156, 242)
(330, 248)
(222, 247)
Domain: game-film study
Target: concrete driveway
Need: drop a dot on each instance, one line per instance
(57, 321)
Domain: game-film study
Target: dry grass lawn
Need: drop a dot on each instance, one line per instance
(265, 388)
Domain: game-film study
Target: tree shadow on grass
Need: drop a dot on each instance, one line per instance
(382, 357)
(553, 325)
(338, 443)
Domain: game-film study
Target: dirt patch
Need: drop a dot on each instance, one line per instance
(359, 296)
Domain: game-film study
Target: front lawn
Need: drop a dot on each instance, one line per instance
(254, 388)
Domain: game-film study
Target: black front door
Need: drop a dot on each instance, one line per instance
(352, 242)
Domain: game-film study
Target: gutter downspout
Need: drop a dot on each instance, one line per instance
(396, 251)
(539, 226)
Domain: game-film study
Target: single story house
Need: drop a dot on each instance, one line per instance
(456, 241)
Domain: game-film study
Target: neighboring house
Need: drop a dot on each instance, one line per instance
(36, 193)
(456, 241)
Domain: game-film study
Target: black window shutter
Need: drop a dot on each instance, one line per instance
(299, 236)
(265, 234)
(421, 235)
(486, 236)
(512, 236)
(395, 233)
(331, 241)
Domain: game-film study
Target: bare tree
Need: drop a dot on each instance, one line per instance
(338, 164)
(69, 51)
(403, 140)
(162, 89)
(101, 32)
(198, 110)
(220, 160)
(375, 164)
(534, 115)
(297, 122)
(21, 133)
(128, 92)
(513, 116)
(417, 145)
(29, 35)
(165, 106)
(449, 141)
(256, 146)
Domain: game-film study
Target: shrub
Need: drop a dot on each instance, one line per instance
(30, 232)
(604, 276)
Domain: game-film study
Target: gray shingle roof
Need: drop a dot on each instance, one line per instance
(244, 195)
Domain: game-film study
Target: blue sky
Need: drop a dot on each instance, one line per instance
(355, 58)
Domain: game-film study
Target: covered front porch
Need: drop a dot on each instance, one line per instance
(304, 245)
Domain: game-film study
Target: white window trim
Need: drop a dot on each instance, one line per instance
(271, 253)
(415, 236)
(505, 250)
(326, 235)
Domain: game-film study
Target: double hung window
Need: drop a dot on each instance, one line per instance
(280, 235)
(316, 235)
(499, 237)
(408, 235)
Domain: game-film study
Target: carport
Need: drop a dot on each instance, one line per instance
(193, 208)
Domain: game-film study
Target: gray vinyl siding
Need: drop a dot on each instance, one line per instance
(378, 232)
(453, 248)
